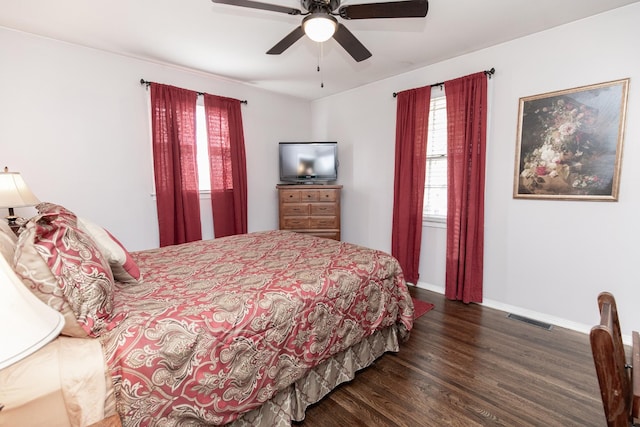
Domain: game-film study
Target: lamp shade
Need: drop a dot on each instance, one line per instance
(319, 27)
(27, 323)
(14, 192)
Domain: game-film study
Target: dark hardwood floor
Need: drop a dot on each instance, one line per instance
(468, 365)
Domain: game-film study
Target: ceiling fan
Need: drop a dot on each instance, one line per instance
(320, 24)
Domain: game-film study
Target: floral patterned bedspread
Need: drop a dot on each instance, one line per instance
(218, 327)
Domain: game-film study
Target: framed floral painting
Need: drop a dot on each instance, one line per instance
(569, 143)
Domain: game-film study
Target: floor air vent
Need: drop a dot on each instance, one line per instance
(533, 322)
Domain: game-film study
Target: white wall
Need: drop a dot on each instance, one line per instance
(75, 122)
(546, 259)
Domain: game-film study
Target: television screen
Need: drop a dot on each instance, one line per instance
(308, 162)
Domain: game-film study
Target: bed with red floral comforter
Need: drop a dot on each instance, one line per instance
(217, 328)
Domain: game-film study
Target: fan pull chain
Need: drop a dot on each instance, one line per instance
(320, 56)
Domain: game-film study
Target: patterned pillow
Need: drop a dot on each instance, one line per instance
(123, 266)
(48, 207)
(63, 267)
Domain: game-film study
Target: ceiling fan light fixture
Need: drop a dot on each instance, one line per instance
(319, 27)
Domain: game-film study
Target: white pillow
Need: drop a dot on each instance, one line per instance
(8, 241)
(123, 266)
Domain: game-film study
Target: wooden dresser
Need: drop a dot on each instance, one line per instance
(311, 209)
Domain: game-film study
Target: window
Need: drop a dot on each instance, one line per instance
(202, 150)
(204, 181)
(218, 153)
(435, 185)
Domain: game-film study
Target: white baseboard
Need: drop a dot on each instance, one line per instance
(556, 321)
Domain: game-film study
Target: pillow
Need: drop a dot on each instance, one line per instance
(8, 240)
(48, 207)
(63, 267)
(5, 229)
(123, 266)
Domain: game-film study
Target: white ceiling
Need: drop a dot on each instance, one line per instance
(231, 41)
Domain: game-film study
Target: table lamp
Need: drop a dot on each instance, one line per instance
(14, 193)
(27, 323)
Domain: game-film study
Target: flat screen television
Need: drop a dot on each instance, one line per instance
(308, 162)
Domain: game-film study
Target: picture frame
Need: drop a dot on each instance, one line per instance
(569, 143)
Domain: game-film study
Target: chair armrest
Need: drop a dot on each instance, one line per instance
(635, 372)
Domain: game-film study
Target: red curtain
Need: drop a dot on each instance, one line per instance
(227, 165)
(466, 146)
(173, 119)
(412, 119)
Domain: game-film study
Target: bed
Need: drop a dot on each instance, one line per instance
(244, 330)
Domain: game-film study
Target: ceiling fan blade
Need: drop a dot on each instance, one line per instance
(257, 5)
(286, 42)
(395, 9)
(351, 44)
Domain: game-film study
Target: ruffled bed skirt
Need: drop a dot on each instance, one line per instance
(290, 404)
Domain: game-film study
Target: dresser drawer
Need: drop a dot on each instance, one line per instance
(295, 223)
(327, 195)
(309, 195)
(290, 196)
(324, 209)
(295, 209)
(323, 222)
(335, 235)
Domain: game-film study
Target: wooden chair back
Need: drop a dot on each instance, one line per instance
(614, 375)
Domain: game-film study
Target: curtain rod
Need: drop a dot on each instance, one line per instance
(147, 83)
(489, 73)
